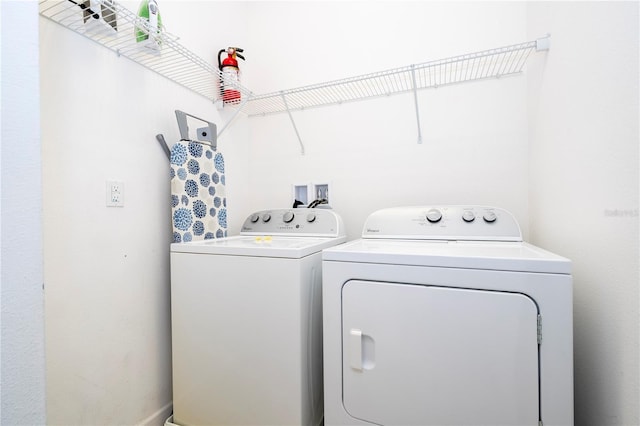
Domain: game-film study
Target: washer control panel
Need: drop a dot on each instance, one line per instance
(465, 223)
(294, 222)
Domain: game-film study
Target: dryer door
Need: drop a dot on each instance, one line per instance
(428, 355)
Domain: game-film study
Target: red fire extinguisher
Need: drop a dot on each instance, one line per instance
(230, 80)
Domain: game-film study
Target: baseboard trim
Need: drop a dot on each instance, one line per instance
(159, 417)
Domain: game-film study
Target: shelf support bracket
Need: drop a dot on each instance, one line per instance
(415, 98)
(235, 114)
(286, 105)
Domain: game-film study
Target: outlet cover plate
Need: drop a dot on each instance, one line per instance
(115, 193)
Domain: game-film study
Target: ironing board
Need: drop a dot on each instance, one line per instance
(198, 199)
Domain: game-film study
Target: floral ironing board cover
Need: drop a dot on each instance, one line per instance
(198, 199)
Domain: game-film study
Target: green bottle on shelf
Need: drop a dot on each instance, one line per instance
(149, 11)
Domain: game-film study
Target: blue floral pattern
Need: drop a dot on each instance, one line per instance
(199, 209)
(178, 154)
(222, 218)
(182, 219)
(191, 188)
(194, 167)
(198, 228)
(219, 160)
(198, 196)
(195, 149)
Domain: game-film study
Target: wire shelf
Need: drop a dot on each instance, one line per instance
(160, 52)
(470, 67)
(185, 68)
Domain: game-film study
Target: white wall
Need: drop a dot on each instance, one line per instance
(22, 390)
(107, 269)
(583, 122)
(475, 135)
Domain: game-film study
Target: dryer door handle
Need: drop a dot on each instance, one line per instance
(355, 349)
(361, 350)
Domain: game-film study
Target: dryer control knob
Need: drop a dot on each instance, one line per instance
(266, 217)
(254, 218)
(434, 215)
(288, 217)
(489, 216)
(468, 216)
(311, 217)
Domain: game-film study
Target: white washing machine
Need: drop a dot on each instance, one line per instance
(444, 316)
(247, 321)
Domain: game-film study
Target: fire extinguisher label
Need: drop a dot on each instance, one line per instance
(230, 78)
(230, 85)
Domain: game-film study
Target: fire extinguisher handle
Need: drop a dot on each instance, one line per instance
(240, 56)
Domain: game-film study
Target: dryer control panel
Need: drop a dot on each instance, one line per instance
(294, 222)
(452, 223)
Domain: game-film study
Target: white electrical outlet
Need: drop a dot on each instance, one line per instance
(115, 193)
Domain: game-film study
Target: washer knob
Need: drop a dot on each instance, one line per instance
(266, 217)
(311, 217)
(254, 218)
(468, 216)
(288, 217)
(434, 215)
(489, 216)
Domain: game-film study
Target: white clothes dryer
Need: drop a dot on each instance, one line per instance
(444, 316)
(247, 321)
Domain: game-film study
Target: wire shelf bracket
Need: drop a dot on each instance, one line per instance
(235, 114)
(415, 98)
(295, 128)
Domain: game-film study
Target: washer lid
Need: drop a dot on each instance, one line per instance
(499, 256)
(261, 246)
